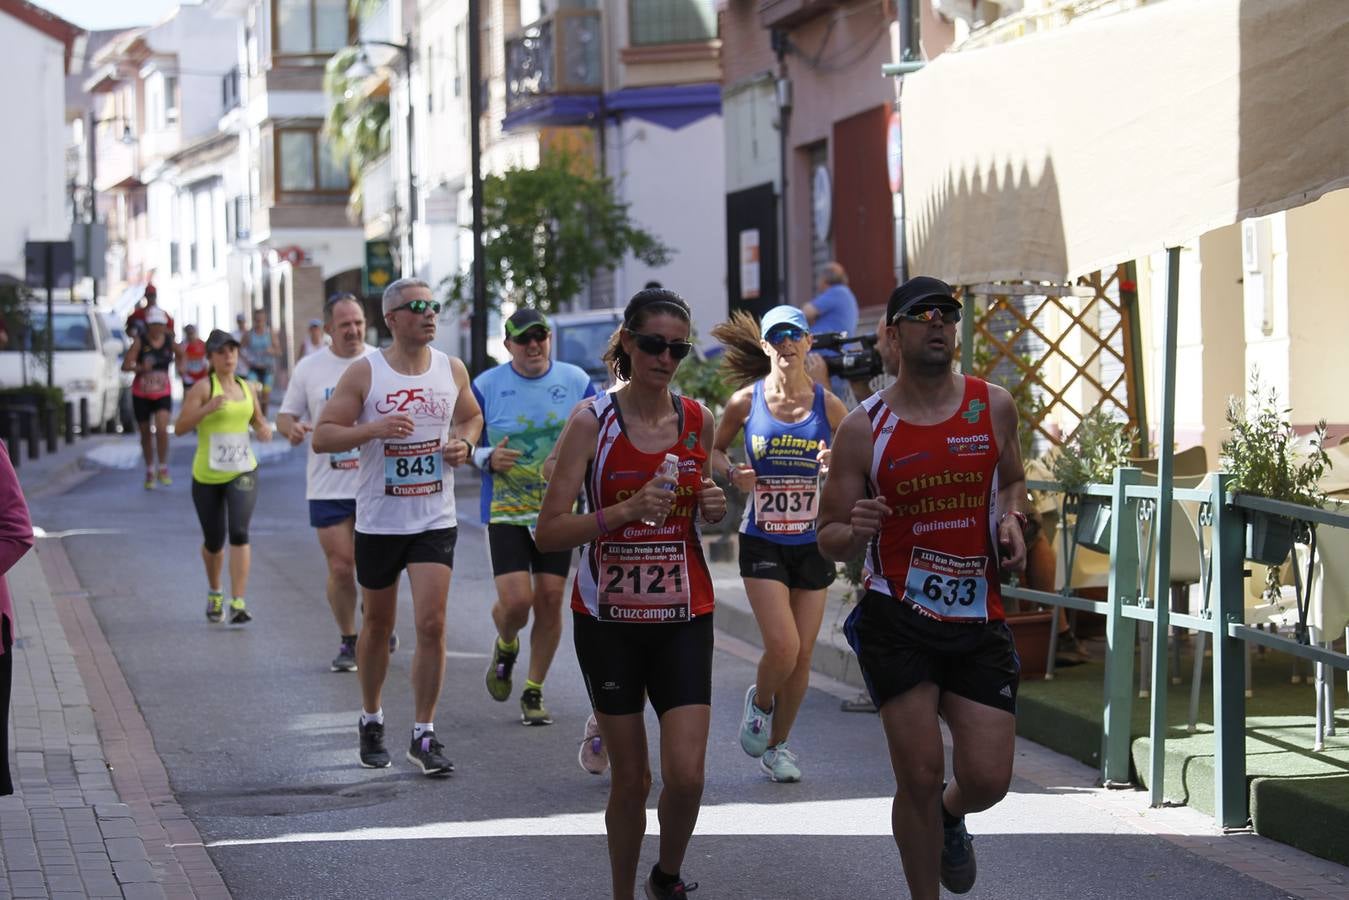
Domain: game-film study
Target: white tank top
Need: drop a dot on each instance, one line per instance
(404, 486)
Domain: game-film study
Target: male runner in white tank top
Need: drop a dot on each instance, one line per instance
(411, 412)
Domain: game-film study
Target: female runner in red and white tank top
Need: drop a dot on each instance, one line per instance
(642, 599)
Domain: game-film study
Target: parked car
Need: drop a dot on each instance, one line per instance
(579, 338)
(86, 359)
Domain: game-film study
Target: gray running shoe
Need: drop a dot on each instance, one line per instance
(779, 764)
(428, 754)
(345, 660)
(755, 726)
(532, 710)
(957, 858)
(373, 754)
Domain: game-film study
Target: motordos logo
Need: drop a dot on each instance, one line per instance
(969, 444)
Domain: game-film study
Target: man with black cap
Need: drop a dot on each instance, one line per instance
(926, 484)
(410, 412)
(525, 403)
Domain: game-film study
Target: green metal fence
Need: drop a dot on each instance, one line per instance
(1221, 524)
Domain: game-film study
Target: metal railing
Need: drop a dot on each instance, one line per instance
(1220, 521)
(558, 54)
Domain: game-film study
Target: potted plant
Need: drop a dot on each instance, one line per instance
(1267, 459)
(1100, 445)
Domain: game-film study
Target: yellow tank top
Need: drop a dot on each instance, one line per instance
(223, 448)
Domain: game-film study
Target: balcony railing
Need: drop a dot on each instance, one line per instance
(558, 54)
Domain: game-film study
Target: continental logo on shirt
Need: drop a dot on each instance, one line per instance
(969, 444)
(783, 444)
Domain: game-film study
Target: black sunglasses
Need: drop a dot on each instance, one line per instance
(532, 336)
(655, 345)
(419, 307)
(925, 315)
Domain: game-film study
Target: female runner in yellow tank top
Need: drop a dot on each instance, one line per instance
(221, 407)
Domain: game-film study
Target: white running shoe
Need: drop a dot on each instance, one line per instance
(592, 756)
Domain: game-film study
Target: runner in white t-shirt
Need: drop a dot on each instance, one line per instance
(331, 477)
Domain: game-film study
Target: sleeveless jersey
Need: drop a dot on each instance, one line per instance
(643, 573)
(194, 362)
(258, 347)
(154, 384)
(939, 551)
(224, 451)
(786, 491)
(404, 487)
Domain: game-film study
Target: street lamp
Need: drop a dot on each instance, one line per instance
(126, 138)
(361, 69)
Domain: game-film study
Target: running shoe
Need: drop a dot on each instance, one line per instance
(215, 606)
(673, 892)
(345, 660)
(238, 614)
(592, 756)
(373, 754)
(149, 481)
(755, 726)
(957, 858)
(532, 710)
(429, 755)
(499, 672)
(164, 478)
(779, 764)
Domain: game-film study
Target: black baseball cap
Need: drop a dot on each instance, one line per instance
(219, 340)
(919, 289)
(525, 318)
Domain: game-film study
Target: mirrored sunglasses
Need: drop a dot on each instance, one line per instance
(655, 345)
(419, 307)
(785, 333)
(922, 315)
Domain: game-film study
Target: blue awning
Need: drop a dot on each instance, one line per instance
(671, 106)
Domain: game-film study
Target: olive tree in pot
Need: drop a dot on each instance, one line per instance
(1100, 445)
(1267, 459)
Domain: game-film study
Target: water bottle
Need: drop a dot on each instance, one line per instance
(668, 471)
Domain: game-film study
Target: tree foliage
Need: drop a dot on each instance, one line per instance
(547, 229)
(357, 123)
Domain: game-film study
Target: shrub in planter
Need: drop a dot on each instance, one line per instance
(1267, 459)
(1100, 445)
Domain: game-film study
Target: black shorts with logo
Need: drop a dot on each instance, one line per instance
(513, 550)
(623, 663)
(899, 648)
(795, 565)
(381, 557)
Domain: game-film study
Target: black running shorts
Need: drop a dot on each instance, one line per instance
(899, 648)
(144, 409)
(795, 565)
(623, 663)
(514, 550)
(380, 558)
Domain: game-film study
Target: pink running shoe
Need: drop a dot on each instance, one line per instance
(592, 755)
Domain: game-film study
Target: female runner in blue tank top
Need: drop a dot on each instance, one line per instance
(789, 422)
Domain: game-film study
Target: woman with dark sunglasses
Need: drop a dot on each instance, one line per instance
(789, 422)
(642, 598)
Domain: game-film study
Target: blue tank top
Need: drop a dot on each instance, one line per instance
(786, 495)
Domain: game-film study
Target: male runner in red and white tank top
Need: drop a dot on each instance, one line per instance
(926, 481)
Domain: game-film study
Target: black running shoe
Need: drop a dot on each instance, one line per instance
(239, 612)
(429, 754)
(345, 660)
(532, 710)
(673, 892)
(957, 858)
(373, 754)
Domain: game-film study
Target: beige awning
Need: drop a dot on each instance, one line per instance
(1061, 153)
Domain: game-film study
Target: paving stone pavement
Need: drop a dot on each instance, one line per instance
(93, 814)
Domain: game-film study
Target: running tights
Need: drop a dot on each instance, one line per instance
(6, 681)
(217, 503)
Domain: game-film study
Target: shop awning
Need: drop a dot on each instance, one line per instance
(1061, 153)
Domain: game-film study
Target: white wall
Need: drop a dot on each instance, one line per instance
(675, 182)
(32, 179)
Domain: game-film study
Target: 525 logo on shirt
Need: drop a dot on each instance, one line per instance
(399, 401)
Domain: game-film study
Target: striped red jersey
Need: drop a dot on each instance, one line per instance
(939, 551)
(643, 573)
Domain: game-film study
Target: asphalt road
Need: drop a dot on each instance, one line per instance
(259, 739)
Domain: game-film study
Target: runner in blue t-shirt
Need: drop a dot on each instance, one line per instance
(525, 403)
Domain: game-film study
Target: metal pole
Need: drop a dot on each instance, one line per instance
(84, 417)
(1230, 795)
(412, 181)
(1120, 633)
(478, 332)
(51, 427)
(33, 431)
(1161, 588)
(50, 277)
(70, 421)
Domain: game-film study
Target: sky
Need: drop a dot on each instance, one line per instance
(94, 15)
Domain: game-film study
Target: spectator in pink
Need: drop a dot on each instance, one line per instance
(16, 536)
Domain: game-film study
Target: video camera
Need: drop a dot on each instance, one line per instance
(857, 359)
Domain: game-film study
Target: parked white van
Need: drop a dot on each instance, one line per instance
(85, 359)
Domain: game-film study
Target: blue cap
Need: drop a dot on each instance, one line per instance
(783, 315)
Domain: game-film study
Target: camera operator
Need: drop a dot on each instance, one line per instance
(833, 309)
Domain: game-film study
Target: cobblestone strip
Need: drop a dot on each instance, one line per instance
(149, 816)
(1276, 864)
